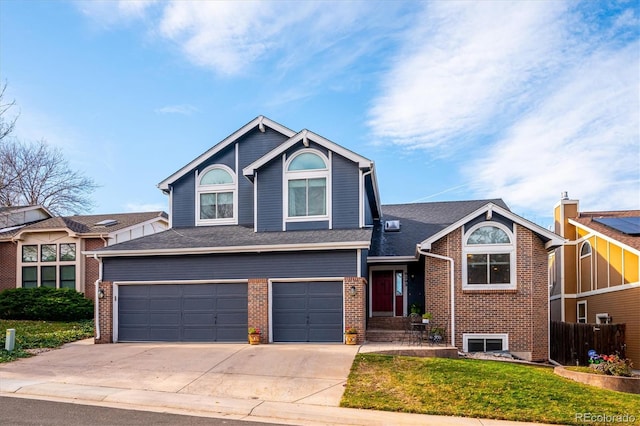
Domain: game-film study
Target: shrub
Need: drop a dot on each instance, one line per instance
(613, 365)
(47, 304)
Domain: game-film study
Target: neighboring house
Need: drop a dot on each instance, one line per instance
(594, 278)
(284, 231)
(45, 251)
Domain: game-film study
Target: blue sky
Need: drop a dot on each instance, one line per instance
(452, 100)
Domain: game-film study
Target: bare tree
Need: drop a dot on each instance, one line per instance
(37, 174)
(6, 126)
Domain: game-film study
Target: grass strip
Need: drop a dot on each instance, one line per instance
(478, 388)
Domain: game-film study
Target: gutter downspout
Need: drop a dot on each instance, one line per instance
(451, 282)
(97, 299)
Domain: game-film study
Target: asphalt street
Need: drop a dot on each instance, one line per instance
(34, 412)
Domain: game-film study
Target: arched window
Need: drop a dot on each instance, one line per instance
(489, 257)
(586, 268)
(307, 177)
(216, 196)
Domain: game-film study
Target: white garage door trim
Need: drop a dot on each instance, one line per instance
(297, 280)
(117, 284)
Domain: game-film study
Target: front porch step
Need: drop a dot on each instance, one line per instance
(387, 323)
(382, 335)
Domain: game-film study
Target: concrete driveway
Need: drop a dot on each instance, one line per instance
(301, 373)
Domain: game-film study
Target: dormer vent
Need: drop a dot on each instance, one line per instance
(391, 226)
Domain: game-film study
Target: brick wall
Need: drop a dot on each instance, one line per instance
(105, 307)
(91, 267)
(258, 309)
(8, 253)
(522, 313)
(355, 306)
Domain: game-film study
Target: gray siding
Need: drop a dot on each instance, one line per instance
(227, 157)
(308, 226)
(338, 263)
(270, 196)
(184, 201)
(251, 147)
(345, 183)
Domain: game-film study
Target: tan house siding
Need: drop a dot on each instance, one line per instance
(623, 307)
(521, 313)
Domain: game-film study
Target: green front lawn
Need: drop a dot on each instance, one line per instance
(478, 388)
(41, 334)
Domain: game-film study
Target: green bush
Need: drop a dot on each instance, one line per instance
(46, 304)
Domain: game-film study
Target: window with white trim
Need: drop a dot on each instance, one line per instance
(307, 183)
(48, 265)
(585, 277)
(473, 342)
(603, 318)
(216, 196)
(488, 258)
(582, 312)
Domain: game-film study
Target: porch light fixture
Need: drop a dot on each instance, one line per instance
(100, 294)
(352, 290)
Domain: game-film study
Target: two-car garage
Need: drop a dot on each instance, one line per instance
(182, 312)
(301, 311)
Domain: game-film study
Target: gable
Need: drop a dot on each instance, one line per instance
(260, 123)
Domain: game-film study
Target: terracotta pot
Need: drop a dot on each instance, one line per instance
(350, 339)
(254, 339)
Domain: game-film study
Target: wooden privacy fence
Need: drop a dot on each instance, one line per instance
(570, 342)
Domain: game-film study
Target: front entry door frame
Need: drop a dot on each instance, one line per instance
(393, 270)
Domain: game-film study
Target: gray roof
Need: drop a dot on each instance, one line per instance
(88, 224)
(419, 221)
(203, 237)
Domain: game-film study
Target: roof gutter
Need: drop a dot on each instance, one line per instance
(232, 249)
(452, 286)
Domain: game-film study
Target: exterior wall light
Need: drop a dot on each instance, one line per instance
(101, 294)
(352, 290)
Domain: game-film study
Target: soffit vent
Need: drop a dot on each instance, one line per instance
(391, 226)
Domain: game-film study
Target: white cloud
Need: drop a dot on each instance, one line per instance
(465, 63)
(582, 139)
(531, 98)
(183, 109)
(109, 13)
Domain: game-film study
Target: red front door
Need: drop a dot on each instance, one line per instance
(382, 292)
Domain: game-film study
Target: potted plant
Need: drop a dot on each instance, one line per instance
(426, 317)
(350, 336)
(414, 308)
(254, 336)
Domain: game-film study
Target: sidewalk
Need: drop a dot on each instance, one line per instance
(231, 408)
(47, 378)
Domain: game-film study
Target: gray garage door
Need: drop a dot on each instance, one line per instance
(307, 312)
(182, 313)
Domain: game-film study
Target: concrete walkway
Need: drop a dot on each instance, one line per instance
(288, 384)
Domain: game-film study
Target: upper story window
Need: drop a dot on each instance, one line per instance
(307, 183)
(216, 196)
(585, 275)
(489, 258)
